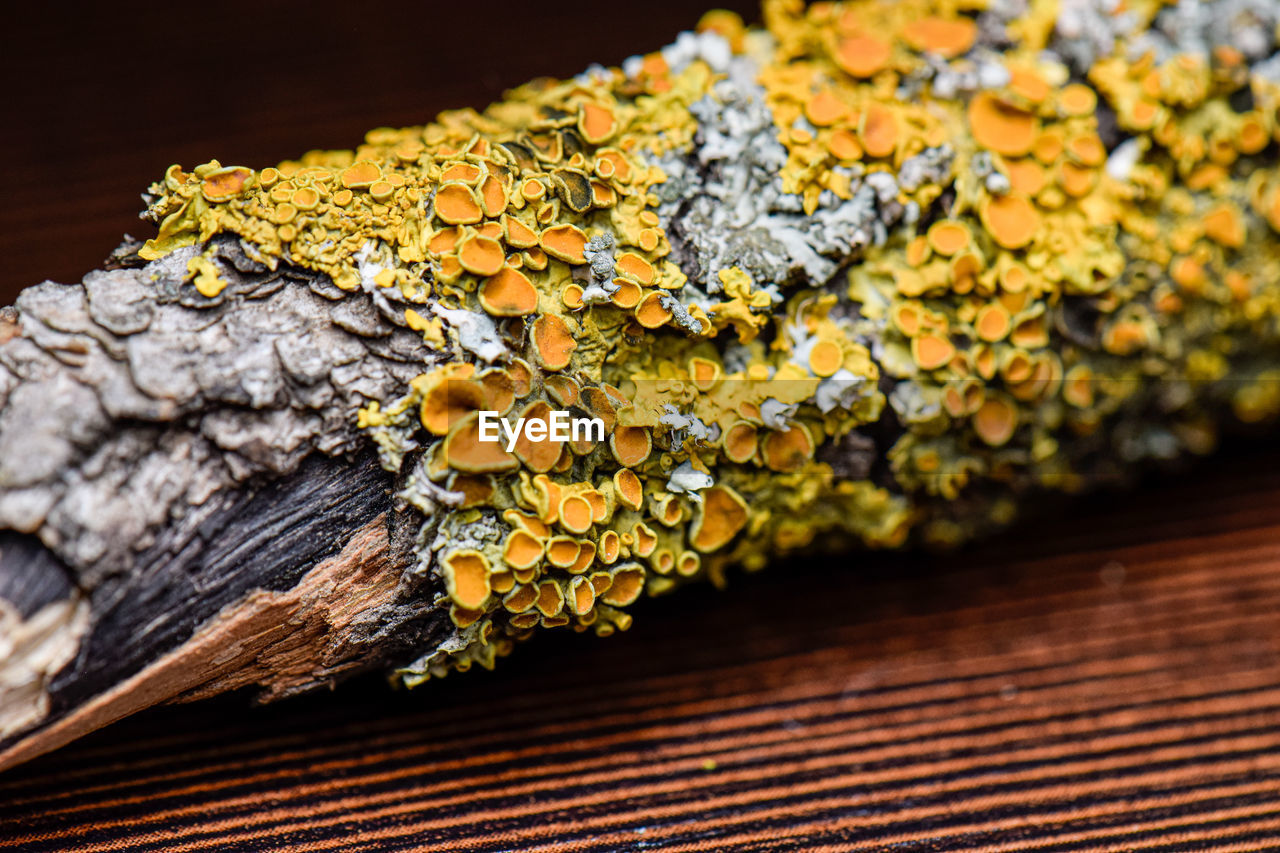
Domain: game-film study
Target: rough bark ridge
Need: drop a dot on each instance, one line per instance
(207, 517)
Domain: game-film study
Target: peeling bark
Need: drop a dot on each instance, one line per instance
(190, 508)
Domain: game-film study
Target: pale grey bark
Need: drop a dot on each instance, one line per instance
(164, 455)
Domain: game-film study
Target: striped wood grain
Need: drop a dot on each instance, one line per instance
(1105, 679)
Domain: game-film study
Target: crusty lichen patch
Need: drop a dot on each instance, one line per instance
(876, 271)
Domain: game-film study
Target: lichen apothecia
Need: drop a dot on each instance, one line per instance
(871, 273)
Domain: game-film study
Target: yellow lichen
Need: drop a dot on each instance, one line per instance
(1017, 316)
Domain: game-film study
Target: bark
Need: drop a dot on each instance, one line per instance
(210, 520)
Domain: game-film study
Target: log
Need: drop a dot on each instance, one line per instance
(874, 307)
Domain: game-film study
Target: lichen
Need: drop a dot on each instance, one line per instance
(874, 273)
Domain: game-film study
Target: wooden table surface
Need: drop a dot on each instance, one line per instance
(1108, 678)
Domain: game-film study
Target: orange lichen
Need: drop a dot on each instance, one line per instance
(1188, 273)
(644, 540)
(553, 342)
(964, 269)
(931, 351)
(306, 199)
(1028, 84)
(563, 551)
(538, 455)
(522, 550)
(509, 293)
(1026, 177)
(947, 237)
(996, 420)
(1048, 147)
(948, 37)
(1075, 180)
(360, 175)
(629, 489)
(688, 564)
(550, 600)
(564, 242)
(1077, 387)
(1077, 99)
(1011, 220)
(787, 450)
(581, 596)
(502, 582)
(481, 255)
(586, 558)
(825, 109)
(476, 489)
(597, 123)
(575, 514)
(627, 584)
(862, 56)
(636, 267)
(468, 173)
(457, 205)
(1124, 337)
(1087, 149)
(464, 450)
(1224, 225)
(651, 313)
(704, 373)
(1001, 127)
(562, 389)
(521, 376)
(879, 131)
(448, 400)
(520, 599)
(1253, 135)
(517, 234)
(630, 445)
(844, 145)
(466, 577)
(722, 516)
(825, 358)
(533, 189)
(993, 322)
(610, 546)
(906, 317)
(493, 196)
(628, 294)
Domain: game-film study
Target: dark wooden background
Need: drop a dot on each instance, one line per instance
(1104, 678)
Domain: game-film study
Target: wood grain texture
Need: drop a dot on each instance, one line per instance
(1105, 679)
